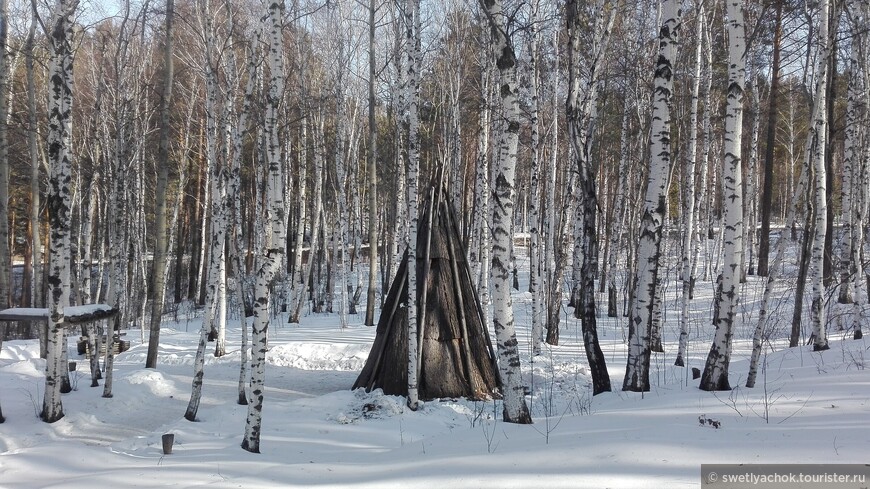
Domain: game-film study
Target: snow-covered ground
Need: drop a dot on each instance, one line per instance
(806, 408)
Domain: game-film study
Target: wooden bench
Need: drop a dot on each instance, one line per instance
(73, 315)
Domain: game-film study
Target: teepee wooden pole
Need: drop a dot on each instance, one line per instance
(421, 307)
(458, 292)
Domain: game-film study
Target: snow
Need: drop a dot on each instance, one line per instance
(88, 309)
(807, 408)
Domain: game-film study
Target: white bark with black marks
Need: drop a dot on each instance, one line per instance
(479, 231)
(690, 225)
(580, 112)
(5, 258)
(535, 263)
(60, 99)
(271, 257)
(372, 176)
(33, 149)
(412, 63)
(211, 155)
(653, 208)
(857, 154)
(715, 375)
(817, 141)
(515, 408)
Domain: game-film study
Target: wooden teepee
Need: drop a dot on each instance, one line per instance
(457, 358)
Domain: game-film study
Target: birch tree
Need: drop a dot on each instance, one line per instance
(372, 174)
(856, 160)
(60, 33)
(690, 224)
(214, 319)
(121, 178)
(750, 208)
(341, 150)
(557, 228)
(774, 273)
(214, 301)
(579, 111)
(412, 63)
(715, 375)
(234, 200)
(5, 258)
(271, 257)
(535, 261)
(33, 150)
(478, 235)
(653, 210)
(157, 285)
(817, 143)
(515, 408)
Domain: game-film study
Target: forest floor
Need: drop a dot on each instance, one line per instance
(806, 408)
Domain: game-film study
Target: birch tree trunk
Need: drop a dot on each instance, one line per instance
(704, 204)
(398, 110)
(481, 185)
(299, 272)
(340, 152)
(554, 257)
(557, 245)
(580, 113)
(750, 217)
(535, 263)
(412, 98)
(715, 375)
(690, 225)
(652, 214)
(234, 201)
(301, 294)
(272, 255)
(372, 174)
(773, 275)
(212, 175)
(33, 149)
(5, 258)
(59, 200)
(157, 284)
(214, 319)
(515, 408)
(619, 204)
(818, 144)
(857, 153)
